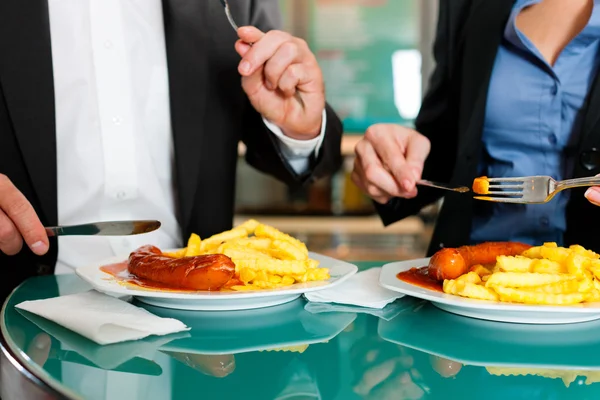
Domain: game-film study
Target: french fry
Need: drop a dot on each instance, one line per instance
(193, 246)
(265, 258)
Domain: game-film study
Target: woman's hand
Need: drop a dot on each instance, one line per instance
(389, 161)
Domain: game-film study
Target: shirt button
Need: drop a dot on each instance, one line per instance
(544, 221)
(108, 44)
(552, 138)
(116, 120)
(554, 89)
(121, 195)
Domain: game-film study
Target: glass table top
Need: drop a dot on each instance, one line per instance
(410, 351)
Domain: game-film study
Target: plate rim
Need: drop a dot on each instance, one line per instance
(392, 268)
(86, 273)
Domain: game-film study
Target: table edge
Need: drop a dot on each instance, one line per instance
(20, 366)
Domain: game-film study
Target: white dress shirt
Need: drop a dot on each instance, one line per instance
(113, 128)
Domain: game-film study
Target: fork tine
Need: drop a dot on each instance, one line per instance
(506, 186)
(501, 199)
(502, 193)
(518, 179)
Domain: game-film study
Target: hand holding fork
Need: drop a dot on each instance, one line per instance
(282, 79)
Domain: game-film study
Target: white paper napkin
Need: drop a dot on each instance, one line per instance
(361, 289)
(102, 318)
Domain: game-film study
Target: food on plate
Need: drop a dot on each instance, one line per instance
(251, 256)
(546, 274)
(450, 263)
(567, 376)
(204, 272)
(481, 185)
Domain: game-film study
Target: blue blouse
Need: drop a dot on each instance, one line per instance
(532, 118)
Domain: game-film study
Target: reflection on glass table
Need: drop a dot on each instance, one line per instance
(286, 352)
(470, 358)
(275, 352)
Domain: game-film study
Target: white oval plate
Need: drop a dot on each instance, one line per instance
(218, 301)
(484, 309)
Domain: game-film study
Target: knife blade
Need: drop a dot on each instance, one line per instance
(107, 228)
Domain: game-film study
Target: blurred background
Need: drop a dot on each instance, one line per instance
(376, 57)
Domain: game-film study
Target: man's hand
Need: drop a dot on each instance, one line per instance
(389, 160)
(276, 67)
(19, 221)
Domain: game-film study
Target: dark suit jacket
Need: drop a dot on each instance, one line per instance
(210, 114)
(452, 116)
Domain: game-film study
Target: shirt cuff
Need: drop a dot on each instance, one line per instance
(297, 152)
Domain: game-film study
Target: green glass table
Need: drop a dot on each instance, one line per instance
(411, 350)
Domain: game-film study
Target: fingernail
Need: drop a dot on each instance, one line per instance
(407, 185)
(245, 67)
(39, 247)
(593, 195)
(268, 85)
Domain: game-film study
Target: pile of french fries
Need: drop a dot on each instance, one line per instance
(547, 274)
(264, 257)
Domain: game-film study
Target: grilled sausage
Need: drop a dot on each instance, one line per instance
(205, 272)
(450, 263)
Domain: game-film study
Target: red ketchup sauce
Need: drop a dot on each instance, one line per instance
(420, 277)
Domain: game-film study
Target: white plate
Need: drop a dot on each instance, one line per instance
(218, 301)
(483, 309)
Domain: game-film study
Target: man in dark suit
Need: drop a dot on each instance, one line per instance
(134, 110)
(514, 93)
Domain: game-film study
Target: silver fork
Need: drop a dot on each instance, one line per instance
(445, 186)
(531, 189)
(228, 13)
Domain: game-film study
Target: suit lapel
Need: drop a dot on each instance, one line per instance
(185, 41)
(480, 40)
(27, 80)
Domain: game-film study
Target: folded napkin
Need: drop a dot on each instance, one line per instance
(361, 289)
(101, 318)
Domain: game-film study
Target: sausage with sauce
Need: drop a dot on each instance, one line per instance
(450, 263)
(204, 272)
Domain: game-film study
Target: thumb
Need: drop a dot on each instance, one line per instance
(250, 34)
(417, 150)
(593, 194)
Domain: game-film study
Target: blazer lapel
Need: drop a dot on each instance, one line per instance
(28, 84)
(481, 38)
(186, 58)
(588, 143)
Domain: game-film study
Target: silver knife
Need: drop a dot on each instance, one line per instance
(108, 228)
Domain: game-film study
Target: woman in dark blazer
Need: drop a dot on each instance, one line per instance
(514, 93)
